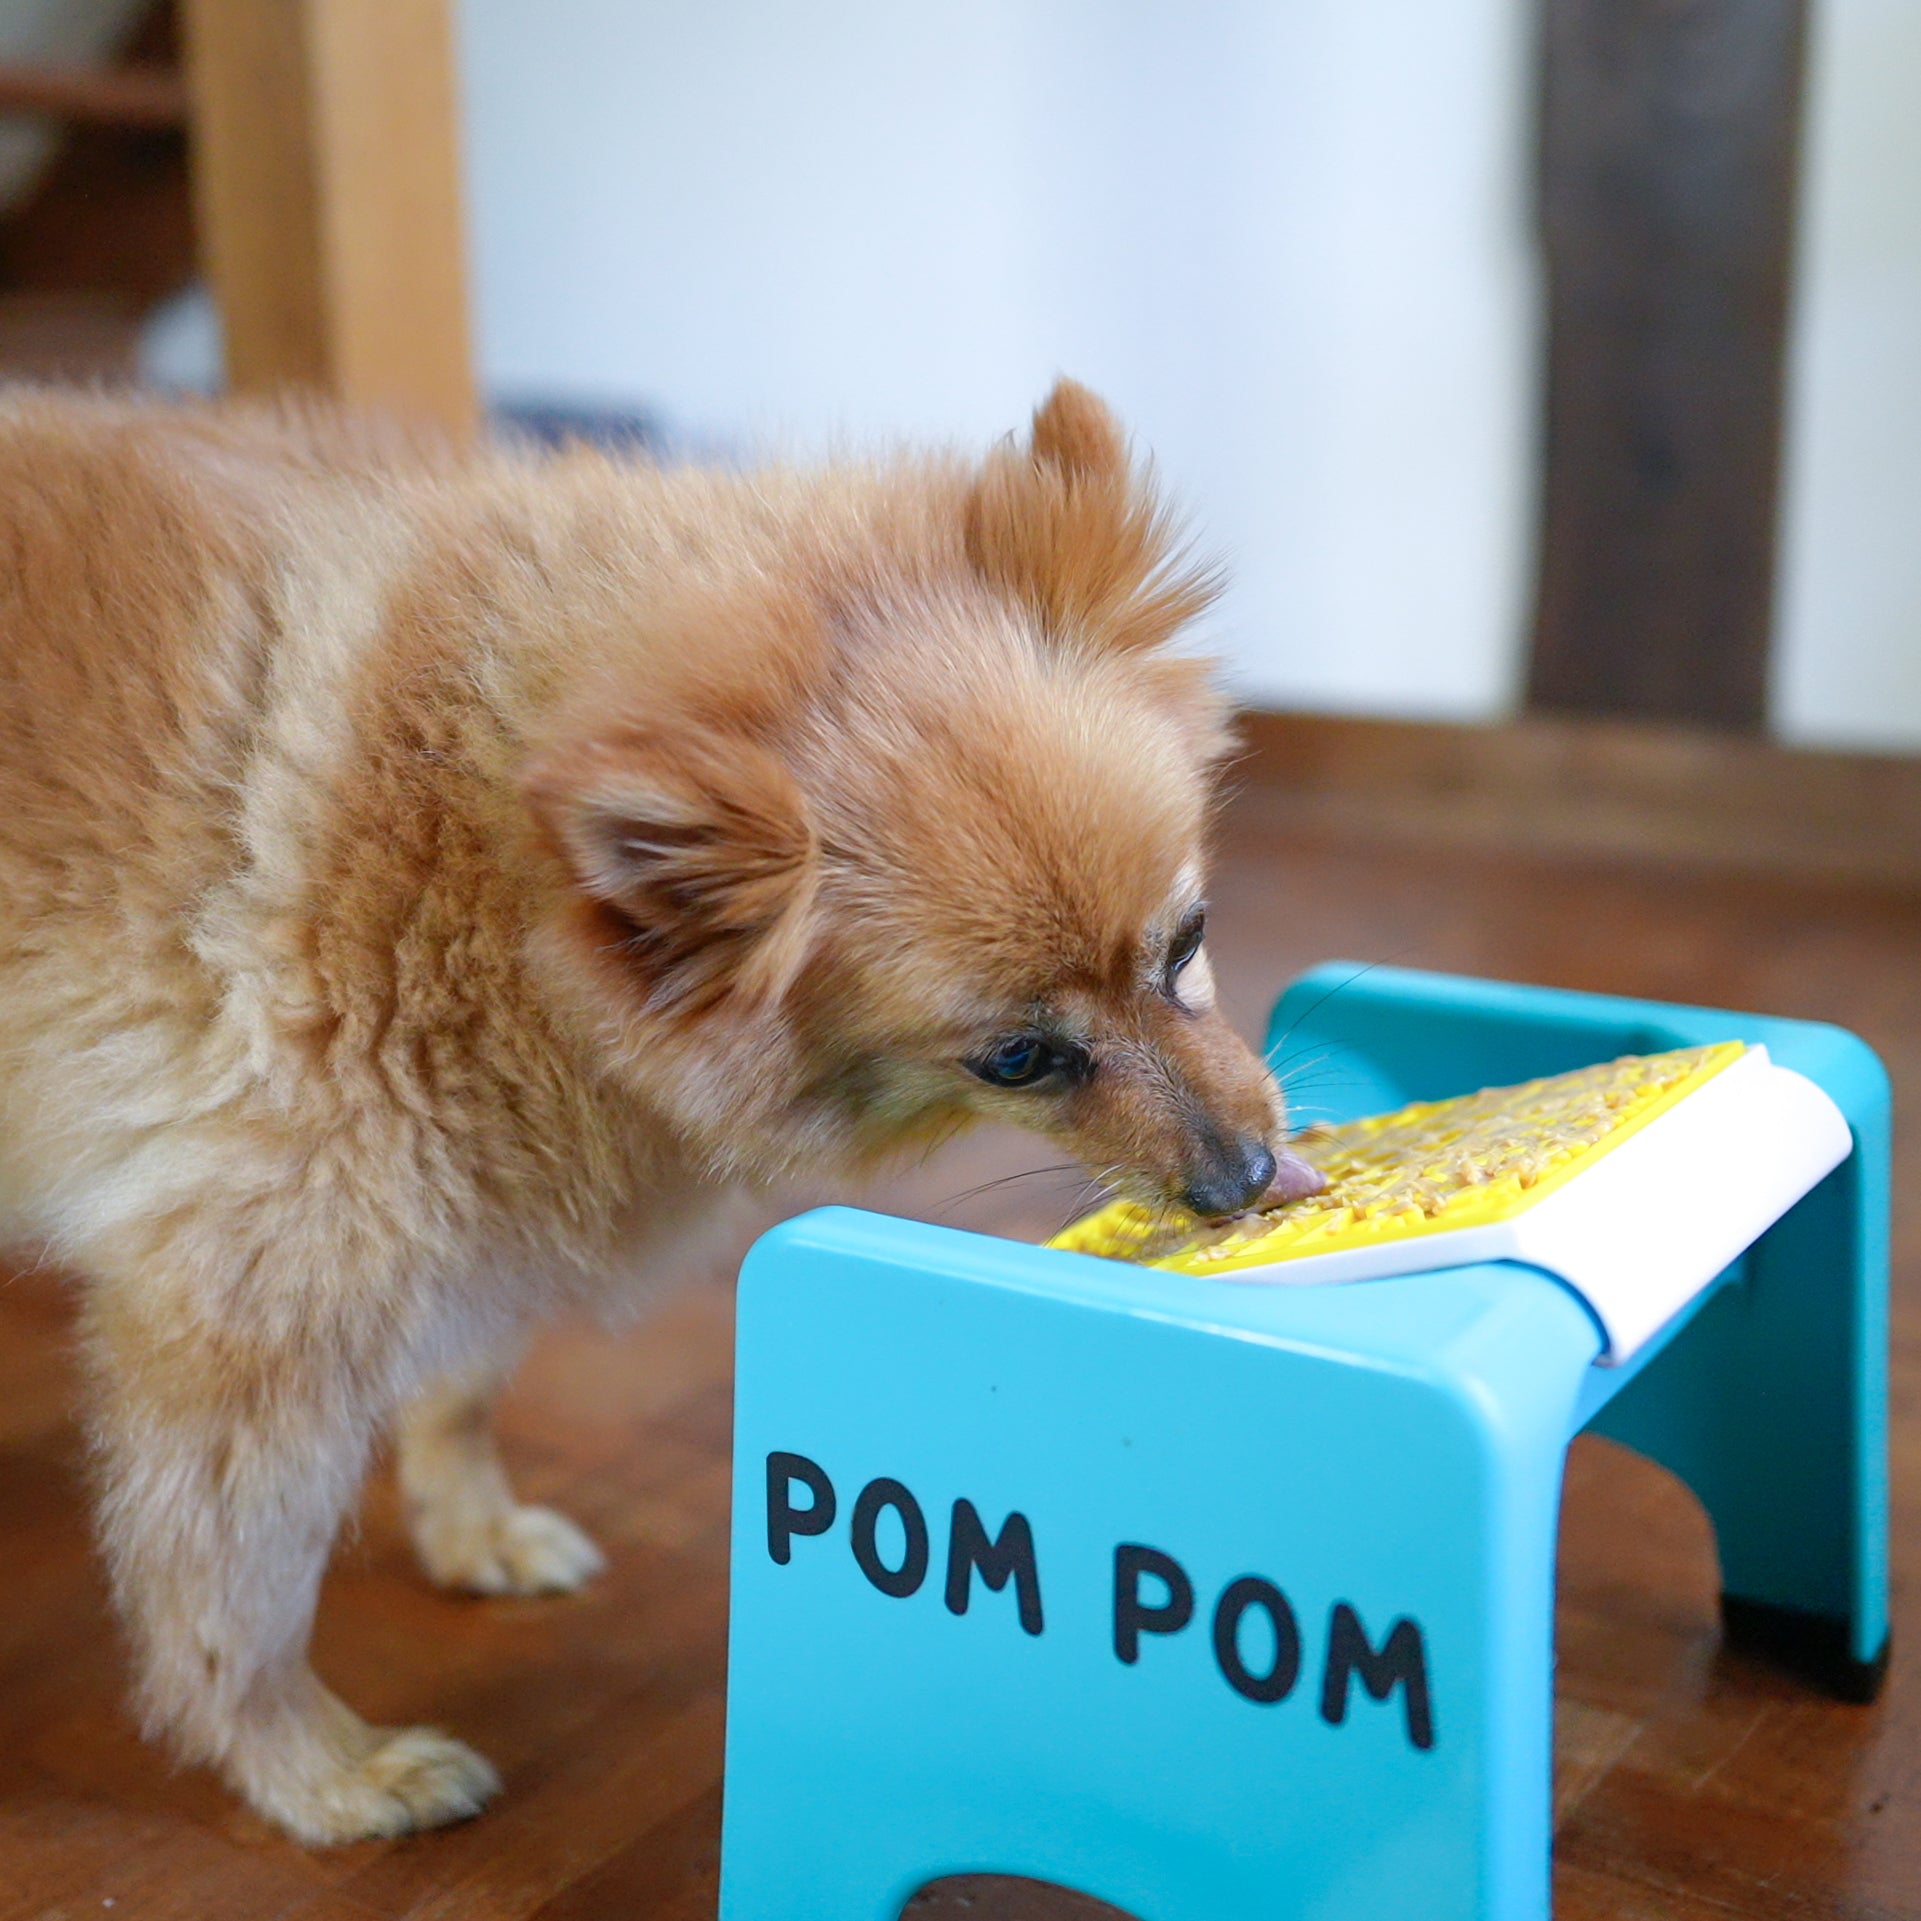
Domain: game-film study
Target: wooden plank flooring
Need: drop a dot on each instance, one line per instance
(1693, 1786)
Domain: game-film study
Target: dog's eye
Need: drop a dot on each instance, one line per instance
(1185, 944)
(1018, 1061)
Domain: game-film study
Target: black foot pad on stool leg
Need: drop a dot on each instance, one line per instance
(1813, 1647)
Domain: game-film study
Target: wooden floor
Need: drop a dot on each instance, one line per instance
(1693, 1786)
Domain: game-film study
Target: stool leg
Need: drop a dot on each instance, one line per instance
(1772, 1402)
(1772, 1405)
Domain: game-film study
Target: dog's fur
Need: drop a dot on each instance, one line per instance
(429, 883)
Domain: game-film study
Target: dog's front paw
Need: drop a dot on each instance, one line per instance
(412, 1778)
(511, 1550)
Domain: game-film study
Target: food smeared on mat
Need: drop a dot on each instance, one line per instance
(1427, 1168)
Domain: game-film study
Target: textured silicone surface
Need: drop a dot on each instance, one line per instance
(1427, 1168)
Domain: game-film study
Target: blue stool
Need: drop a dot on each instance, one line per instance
(1227, 1602)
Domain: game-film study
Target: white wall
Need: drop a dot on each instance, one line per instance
(1286, 238)
(1848, 665)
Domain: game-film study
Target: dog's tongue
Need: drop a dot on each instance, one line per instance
(1293, 1180)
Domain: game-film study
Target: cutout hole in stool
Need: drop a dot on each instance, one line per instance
(1005, 1897)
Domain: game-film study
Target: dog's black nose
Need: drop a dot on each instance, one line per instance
(1234, 1179)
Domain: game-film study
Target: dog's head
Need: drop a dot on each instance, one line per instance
(908, 829)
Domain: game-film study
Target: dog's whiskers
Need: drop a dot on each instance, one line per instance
(1004, 1180)
(1098, 1189)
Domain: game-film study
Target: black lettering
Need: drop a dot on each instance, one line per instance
(1011, 1556)
(900, 1581)
(1132, 1617)
(1250, 1591)
(1400, 1662)
(784, 1519)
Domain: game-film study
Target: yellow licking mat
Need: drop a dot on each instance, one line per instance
(1426, 1169)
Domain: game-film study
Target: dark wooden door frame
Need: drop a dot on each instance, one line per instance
(1669, 140)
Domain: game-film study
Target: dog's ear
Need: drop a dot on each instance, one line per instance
(698, 851)
(1065, 526)
(1077, 436)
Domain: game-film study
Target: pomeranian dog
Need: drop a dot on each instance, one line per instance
(431, 883)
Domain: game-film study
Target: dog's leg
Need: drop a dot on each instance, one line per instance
(224, 1475)
(468, 1529)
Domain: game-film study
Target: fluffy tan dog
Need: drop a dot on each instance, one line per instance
(429, 886)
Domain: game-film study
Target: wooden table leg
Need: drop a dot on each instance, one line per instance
(327, 173)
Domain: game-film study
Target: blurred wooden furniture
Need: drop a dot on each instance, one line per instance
(146, 94)
(95, 230)
(327, 185)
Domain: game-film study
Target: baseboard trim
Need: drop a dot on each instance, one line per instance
(1606, 789)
